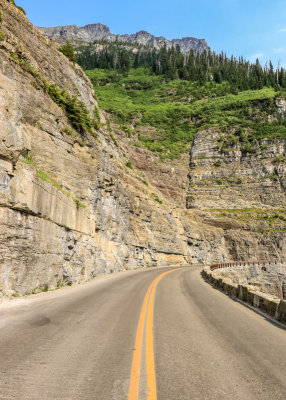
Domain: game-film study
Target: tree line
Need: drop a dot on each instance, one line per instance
(173, 64)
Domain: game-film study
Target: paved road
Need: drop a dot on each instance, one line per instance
(98, 341)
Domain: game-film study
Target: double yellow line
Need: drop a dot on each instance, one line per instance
(146, 310)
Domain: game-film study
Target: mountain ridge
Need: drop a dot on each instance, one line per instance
(92, 32)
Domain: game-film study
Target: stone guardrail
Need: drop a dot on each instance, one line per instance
(242, 263)
(275, 308)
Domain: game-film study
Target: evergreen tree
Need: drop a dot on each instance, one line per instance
(68, 50)
(173, 64)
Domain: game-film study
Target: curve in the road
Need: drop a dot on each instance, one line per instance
(78, 343)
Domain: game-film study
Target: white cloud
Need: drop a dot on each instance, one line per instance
(255, 56)
(282, 30)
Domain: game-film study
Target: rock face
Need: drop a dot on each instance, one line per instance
(268, 278)
(232, 179)
(70, 208)
(92, 32)
(244, 194)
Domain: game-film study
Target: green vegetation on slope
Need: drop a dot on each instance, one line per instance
(164, 116)
(19, 7)
(261, 220)
(75, 109)
(173, 64)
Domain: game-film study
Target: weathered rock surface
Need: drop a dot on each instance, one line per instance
(69, 206)
(267, 278)
(233, 179)
(92, 214)
(244, 194)
(92, 32)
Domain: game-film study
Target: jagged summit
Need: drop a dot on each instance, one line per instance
(98, 31)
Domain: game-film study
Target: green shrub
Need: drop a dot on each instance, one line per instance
(69, 131)
(279, 159)
(128, 164)
(29, 160)
(45, 177)
(21, 9)
(75, 109)
(97, 122)
(68, 50)
(247, 148)
(217, 163)
(45, 288)
(156, 198)
(79, 203)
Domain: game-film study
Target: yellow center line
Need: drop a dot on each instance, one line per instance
(135, 370)
(150, 362)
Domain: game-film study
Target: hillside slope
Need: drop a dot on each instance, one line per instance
(218, 154)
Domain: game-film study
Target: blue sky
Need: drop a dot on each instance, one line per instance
(252, 28)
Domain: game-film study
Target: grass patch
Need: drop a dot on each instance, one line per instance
(29, 160)
(44, 176)
(261, 220)
(69, 131)
(156, 198)
(78, 203)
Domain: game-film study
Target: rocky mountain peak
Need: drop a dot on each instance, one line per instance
(97, 28)
(92, 32)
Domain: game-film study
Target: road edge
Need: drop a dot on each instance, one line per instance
(273, 310)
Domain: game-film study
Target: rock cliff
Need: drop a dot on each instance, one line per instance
(242, 193)
(77, 199)
(92, 32)
(70, 207)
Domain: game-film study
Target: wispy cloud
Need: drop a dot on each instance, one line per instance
(282, 30)
(255, 56)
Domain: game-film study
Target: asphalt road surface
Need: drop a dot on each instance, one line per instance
(149, 334)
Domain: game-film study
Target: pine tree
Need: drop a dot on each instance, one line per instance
(68, 51)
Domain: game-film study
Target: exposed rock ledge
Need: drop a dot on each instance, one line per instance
(70, 208)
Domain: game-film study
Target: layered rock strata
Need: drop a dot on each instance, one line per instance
(69, 207)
